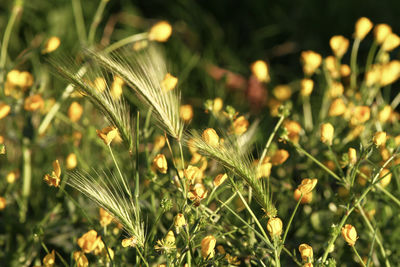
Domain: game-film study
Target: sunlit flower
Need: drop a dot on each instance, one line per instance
(349, 234)
(211, 137)
(293, 128)
(345, 70)
(363, 27)
(50, 259)
(33, 102)
(390, 72)
(186, 112)
(159, 142)
(105, 217)
(337, 108)
(331, 64)
(264, 169)
(274, 226)
(306, 199)
(3, 203)
(307, 86)
(282, 92)
(116, 87)
(352, 154)
(160, 163)
(207, 246)
(100, 84)
(4, 110)
(307, 185)
(107, 134)
(336, 90)
(169, 82)
(179, 220)
(391, 42)
(382, 31)
(219, 179)
(193, 173)
(80, 259)
(360, 115)
(260, 69)
(54, 179)
(311, 61)
(89, 241)
(327, 132)
(385, 177)
(339, 45)
(385, 113)
(12, 176)
(160, 32)
(379, 138)
(51, 45)
(240, 125)
(306, 252)
(280, 157)
(218, 104)
(75, 111)
(167, 244)
(197, 193)
(129, 242)
(71, 161)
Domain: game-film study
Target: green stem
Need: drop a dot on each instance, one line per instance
(358, 256)
(299, 148)
(377, 238)
(336, 161)
(387, 193)
(141, 256)
(137, 162)
(17, 9)
(292, 256)
(79, 21)
(353, 63)
(96, 20)
(125, 41)
(277, 260)
(370, 56)
(291, 219)
(271, 137)
(120, 173)
(308, 121)
(27, 177)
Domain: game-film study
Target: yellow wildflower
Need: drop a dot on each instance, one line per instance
(391, 42)
(186, 113)
(207, 246)
(219, 179)
(260, 70)
(307, 86)
(80, 259)
(33, 102)
(363, 27)
(129, 242)
(311, 61)
(51, 45)
(307, 185)
(349, 234)
(339, 45)
(379, 138)
(107, 134)
(240, 125)
(71, 161)
(50, 259)
(105, 217)
(274, 226)
(89, 241)
(160, 32)
(282, 92)
(211, 137)
(327, 132)
(54, 179)
(160, 163)
(306, 252)
(4, 110)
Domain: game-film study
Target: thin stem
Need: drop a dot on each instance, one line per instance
(127, 40)
(291, 255)
(137, 162)
(79, 21)
(277, 260)
(17, 9)
(120, 173)
(299, 148)
(370, 56)
(358, 256)
(96, 20)
(378, 239)
(336, 161)
(353, 63)
(271, 137)
(141, 256)
(387, 193)
(291, 219)
(308, 121)
(183, 166)
(27, 177)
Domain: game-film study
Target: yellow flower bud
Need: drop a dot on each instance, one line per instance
(345, 70)
(192, 173)
(159, 142)
(71, 161)
(360, 114)
(105, 217)
(391, 42)
(385, 113)
(339, 45)
(260, 70)
(382, 31)
(107, 134)
(240, 125)
(89, 241)
(179, 220)
(282, 92)
(219, 179)
(327, 132)
(352, 154)
(3, 203)
(279, 157)
(274, 226)
(211, 137)
(75, 111)
(379, 139)
(100, 84)
(307, 86)
(385, 177)
(306, 199)
(373, 76)
(306, 252)
(218, 104)
(332, 66)
(307, 185)
(52, 44)
(264, 170)
(50, 259)
(336, 90)
(4, 110)
(129, 242)
(363, 27)
(160, 32)
(160, 163)
(25, 79)
(390, 72)
(337, 108)
(207, 246)
(293, 128)
(55, 177)
(170, 238)
(12, 177)
(33, 102)
(169, 82)
(80, 259)
(116, 89)
(197, 193)
(349, 234)
(186, 113)
(311, 61)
